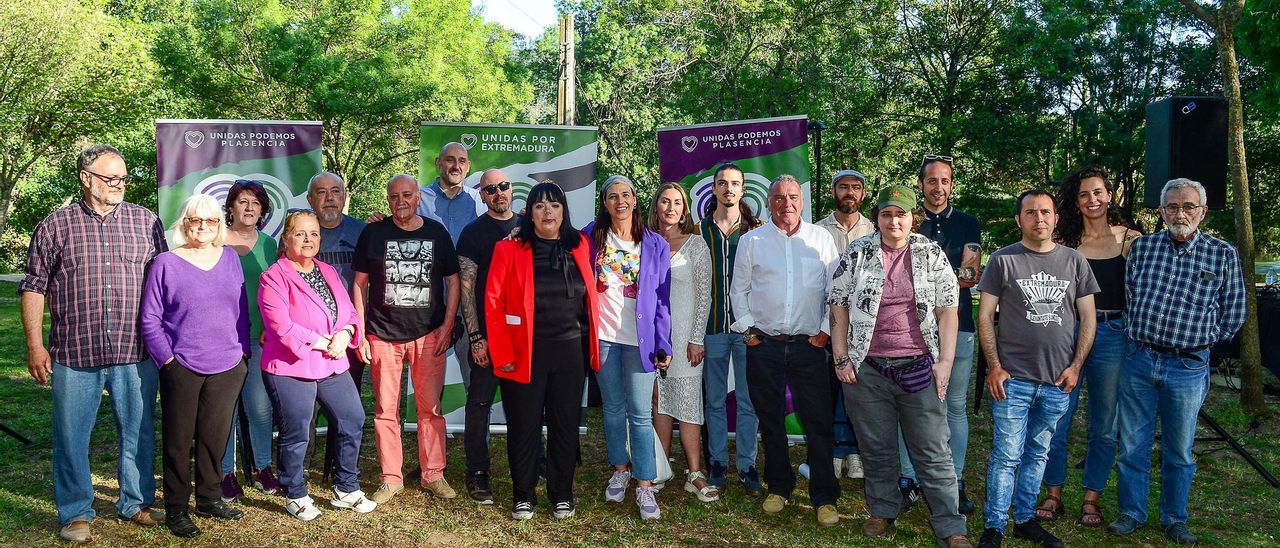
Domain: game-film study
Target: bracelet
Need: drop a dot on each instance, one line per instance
(475, 337)
(843, 362)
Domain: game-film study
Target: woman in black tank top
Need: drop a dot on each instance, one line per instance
(1091, 223)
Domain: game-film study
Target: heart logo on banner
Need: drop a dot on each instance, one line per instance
(193, 138)
(689, 143)
(468, 140)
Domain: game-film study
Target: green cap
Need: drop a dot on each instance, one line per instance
(896, 195)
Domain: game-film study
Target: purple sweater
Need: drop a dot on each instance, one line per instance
(201, 318)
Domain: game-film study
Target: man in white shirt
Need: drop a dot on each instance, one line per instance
(781, 276)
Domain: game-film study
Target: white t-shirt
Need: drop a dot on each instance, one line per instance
(617, 281)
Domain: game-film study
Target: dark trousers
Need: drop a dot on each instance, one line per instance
(481, 388)
(330, 443)
(555, 388)
(294, 401)
(771, 366)
(196, 406)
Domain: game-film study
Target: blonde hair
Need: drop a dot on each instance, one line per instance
(686, 221)
(203, 206)
(290, 221)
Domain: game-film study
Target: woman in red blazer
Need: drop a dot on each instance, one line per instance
(541, 322)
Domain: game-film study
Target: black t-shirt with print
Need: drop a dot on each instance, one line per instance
(476, 243)
(406, 277)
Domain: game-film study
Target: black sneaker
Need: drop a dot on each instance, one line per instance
(751, 482)
(522, 511)
(220, 510)
(966, 505)
(1179, 534)
(563, 509)
(910, 493)
(1032, 530)
(478, 487)
(719, 474)
(180, 524)
(991, 538)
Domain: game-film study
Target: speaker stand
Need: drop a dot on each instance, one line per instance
(14, 434)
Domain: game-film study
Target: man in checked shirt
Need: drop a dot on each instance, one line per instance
(1185, 292)
(87, 261)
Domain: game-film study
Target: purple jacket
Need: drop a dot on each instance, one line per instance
(294, 317)
(653, 301)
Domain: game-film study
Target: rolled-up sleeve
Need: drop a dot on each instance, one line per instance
(1231, 297)
(41, 260)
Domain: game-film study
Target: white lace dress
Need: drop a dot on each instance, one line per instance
(680, 394)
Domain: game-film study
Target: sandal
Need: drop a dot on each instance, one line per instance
(707, 493)
(1090, 514)
(1049, 509)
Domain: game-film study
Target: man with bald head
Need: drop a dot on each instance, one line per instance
(475, 252)
(781, 278)
(400, 329)
(447, 200)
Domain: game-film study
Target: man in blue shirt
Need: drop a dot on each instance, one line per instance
(1185, 292)
(447, 199)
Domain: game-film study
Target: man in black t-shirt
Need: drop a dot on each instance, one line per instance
(406, 292)
(475, 252)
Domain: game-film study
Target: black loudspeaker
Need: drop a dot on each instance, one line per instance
(1187, 137)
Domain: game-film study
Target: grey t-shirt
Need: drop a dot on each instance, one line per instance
(1038, 293)
(338, 244)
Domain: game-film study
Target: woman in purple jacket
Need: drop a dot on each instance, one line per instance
(633, 279)
(194, 320)
(308, 325)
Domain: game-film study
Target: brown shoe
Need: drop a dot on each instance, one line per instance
(956, 541)
(146, 517)
(440, 488)
(827, 515)
(877, 527)
(77, 531)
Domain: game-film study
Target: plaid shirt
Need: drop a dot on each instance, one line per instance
(91, 270)
(1183, 295)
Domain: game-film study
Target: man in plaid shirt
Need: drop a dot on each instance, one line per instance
(87, 261)
(1185, 292)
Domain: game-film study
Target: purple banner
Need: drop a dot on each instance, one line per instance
(187, 146)
(689, 150)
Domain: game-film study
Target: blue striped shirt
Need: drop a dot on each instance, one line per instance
(1183, 294)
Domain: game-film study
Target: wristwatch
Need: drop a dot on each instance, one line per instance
(475, 337)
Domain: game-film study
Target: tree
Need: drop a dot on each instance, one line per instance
(68, 73)
(1223, 21)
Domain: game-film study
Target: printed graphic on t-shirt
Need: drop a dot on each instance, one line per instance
(619, 267)
(408, 269)
(1044, 296)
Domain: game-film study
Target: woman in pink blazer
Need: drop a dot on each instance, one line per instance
(308, 325)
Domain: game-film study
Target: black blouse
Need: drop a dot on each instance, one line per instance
(559, 294)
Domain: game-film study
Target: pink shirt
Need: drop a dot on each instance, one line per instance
(897, 332)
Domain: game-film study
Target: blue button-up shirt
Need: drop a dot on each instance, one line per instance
(454, 213)
(1183, 294)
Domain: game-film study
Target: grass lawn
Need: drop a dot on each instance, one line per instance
(1230, 504)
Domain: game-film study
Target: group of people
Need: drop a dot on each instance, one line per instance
(866, 321)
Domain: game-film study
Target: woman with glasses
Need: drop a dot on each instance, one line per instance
(1090, 222)
(247, 208)
(194, 320)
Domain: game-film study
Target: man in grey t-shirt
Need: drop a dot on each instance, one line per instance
(1043, 289)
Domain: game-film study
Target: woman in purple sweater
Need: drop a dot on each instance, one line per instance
(195, 324)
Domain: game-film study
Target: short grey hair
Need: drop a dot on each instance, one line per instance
(91, 154)
(399, 176)
(1183, 182)
(203, 206)
(784, 178)
(315, 178)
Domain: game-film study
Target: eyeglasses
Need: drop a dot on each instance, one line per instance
(1173, 209)
(122, 180)
(193, 222)
(496, 188)
(938, 157)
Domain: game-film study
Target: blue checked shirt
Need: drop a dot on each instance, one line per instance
(1183, 295)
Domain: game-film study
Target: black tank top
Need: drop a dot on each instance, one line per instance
(1110, 275)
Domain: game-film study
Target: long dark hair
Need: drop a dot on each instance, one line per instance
(1070, 220)
(258, 191)
(604, 222)
(748, 218)
(570, 238)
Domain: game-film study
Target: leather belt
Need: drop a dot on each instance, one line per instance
(1110, 315)
(1179, 352)
(779, 338)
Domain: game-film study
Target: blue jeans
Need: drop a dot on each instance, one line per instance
(1024, 424)
(957, 409)
(626, 391)
(1101, 377)
(256, 404)
(295, 400)
(77, 393)
(722, 348)
(1174, 388)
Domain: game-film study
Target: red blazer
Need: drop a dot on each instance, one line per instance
(508, 307)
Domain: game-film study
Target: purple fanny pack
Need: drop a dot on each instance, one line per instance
(911, 374)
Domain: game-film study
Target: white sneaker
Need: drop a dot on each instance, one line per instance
(838, 464)
(302, 508)
(617, 488)
(853, 465)
(354, 500)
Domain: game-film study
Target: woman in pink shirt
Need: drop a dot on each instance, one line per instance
(308, 325)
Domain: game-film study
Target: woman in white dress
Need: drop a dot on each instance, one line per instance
(679, 388)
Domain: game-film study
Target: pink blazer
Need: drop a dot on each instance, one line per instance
(294, 317)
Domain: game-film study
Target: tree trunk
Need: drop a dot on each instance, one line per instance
(6, 200)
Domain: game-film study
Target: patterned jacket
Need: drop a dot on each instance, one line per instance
(858, 285)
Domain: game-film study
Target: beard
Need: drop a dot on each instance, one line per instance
(849, 206)
(328, 216)
(105, 196)
(1181, 231)
(501, 208)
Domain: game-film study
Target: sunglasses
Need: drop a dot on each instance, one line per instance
(247, 182)
(938, 157)
(496, 188)
(195, 221)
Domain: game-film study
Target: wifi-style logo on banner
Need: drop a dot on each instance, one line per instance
(755, 194)
(219, 185)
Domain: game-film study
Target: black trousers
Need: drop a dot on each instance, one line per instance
(555, 388)
(771, 366)
(196, 406)
(481, 388)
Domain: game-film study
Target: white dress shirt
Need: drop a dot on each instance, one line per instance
(780, 282)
